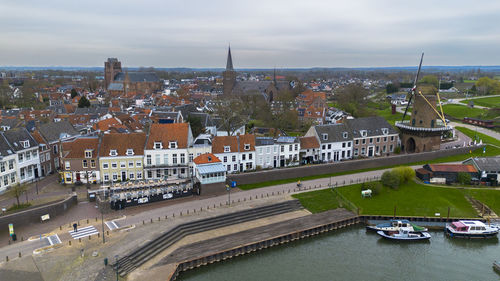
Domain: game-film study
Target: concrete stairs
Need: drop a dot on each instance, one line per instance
(141, 255)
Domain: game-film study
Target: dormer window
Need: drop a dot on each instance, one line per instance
(209, 159)
(325, 136)
(363, 133)
(247, 146)
(113, 152)
(158, 145)
(227, 148)
(385, 131)
(25, 143)
(130, 152)
(88, 153)
(172, 144)
(344, 135)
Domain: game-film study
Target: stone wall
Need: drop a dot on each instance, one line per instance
(312, 170)
(33, 215)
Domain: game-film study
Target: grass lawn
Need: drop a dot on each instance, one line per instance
(387, 114)
(488, 102)
(411, 199)
(318, 201)
(480, 136)
(460, 111)
(489, 197)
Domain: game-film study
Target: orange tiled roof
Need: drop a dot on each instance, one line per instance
(308, 142)
(206, 158)
(453, 168)
(232, 141)
(76, 148)
(168, 132)
(122, 142)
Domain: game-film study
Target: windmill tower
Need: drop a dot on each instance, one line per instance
(427, 123)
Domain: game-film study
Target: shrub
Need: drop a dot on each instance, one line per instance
(397, 150)
(404, 173)
(464, 178)
(390, 179)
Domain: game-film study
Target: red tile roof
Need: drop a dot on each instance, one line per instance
(76, 148)
(308, 142)
(218, 143)
(165, 133)
(206, 158)
(457, 168)
(122, 142)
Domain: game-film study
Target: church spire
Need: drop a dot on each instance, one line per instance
(229, 65)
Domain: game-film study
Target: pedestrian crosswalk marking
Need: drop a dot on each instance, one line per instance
(112, 225)
(83, 232)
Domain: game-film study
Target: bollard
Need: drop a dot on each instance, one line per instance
(143, 222)
(201, 209)
(9, 241)
(78, 223)
(22, 238)
(272, 194)
(151, 220)
(19, 254)
(187, 211)
(87, 221)
(165, 217)
(238, 200)
(158, 218)
(173, 215)
(244, 199)
(6, 258)
(220, 204)
(194, 210)
(95, 218)
(214, 206)
(181, 213)
(79, 240)
(89, 237)
(60, 227)
(69, 242)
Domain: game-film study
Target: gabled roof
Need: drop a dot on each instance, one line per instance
(309, 142)
(165, 133)
(53, 131)
(372, 125)
(207, 158)
(15, 136)
(334, 133)
(219, 143)
(5, 148)
(456, 168)
(76, 148)
(122, 142)
(488, 164)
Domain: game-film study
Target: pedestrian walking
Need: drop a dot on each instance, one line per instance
(75, 229)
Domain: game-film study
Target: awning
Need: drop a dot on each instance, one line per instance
(211, 168)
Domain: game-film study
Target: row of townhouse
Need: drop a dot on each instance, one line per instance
(355, 138)
(168, 150)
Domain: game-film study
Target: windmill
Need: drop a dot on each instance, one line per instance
(426, 125)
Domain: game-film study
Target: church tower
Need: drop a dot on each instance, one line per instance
(111, 68)
(229, 75)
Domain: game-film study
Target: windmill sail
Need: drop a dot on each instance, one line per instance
(412, 93)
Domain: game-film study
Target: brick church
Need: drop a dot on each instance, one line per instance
(120, 83)
(268, 89)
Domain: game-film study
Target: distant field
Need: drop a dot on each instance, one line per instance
(492, 102)
(470, 81)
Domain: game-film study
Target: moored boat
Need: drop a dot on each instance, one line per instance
(405, 235)
(470, 229)
(395, 225)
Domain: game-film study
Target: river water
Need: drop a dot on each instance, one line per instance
(354, 254)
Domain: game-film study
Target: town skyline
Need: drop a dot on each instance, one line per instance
(262, 35)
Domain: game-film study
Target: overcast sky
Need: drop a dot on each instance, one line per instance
(262, 34)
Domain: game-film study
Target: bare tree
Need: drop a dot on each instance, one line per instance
(17, 190)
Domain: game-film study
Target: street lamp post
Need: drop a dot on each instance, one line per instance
(228, 194)
(116, 266)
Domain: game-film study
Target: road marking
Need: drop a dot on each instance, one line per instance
(112, 225)
(54, 239)
(83, 232)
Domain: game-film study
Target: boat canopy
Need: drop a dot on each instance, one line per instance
(458, 225)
